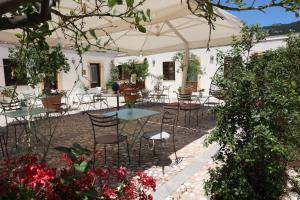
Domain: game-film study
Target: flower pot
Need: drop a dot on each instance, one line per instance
(52, 102)
(5, 99)
(130, 94)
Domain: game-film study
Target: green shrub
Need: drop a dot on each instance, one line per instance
(258, 125)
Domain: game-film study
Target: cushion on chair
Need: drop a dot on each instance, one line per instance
(155, 135)
(110, 139)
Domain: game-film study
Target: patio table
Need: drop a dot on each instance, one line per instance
(116, 95)
(81, 99)
(27, 114)
(141, 116)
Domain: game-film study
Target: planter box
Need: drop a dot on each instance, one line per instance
(5, 99)
(52, 102)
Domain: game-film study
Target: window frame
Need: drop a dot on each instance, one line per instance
(169, 74)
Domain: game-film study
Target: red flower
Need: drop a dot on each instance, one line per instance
(66, 159)
(120, 172)
(146, 180)
(103, 173)
(109, 192)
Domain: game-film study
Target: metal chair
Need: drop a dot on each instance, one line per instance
(168, 119)
(3, 141)
(106, 122)
(98, 97)
(184, 103)
(13, 106)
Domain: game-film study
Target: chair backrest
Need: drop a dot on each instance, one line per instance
(104, 122)
(169, 119)
(184, 98)
(12, 106)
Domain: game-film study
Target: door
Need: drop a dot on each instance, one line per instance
(95, 75)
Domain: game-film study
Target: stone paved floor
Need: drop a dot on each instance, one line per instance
(188, 138)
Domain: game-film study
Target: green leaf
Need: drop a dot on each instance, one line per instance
(141, 28)
(129, 3)
(297, 2)
(148, 13)
(111, 3)
(19, 35)
(81, 167)
(93, 33)
(93, 194)
(63, 149)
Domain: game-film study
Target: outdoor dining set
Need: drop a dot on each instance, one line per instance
(18, 113)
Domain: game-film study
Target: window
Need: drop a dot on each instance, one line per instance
(9, 74)
(169, 70)
(123, 75)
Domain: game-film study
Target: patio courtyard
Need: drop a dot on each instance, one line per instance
(175, 180)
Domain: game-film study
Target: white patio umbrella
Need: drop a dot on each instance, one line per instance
(173, 27)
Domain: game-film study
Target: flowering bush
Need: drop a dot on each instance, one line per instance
(28, 178)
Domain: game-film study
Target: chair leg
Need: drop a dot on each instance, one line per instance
(105, 153)
(190, 112)
(197, 117)
(94, 154)
(174, 148)
(2, 146)
(153, 148)
(15, 132)
(140, 151)
(118, 154)
(128, 154)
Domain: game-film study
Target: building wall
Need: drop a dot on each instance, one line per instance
(71, 79)
(209, 67)
(74, 77)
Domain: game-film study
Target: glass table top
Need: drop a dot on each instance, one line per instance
(130, 114)
(25, 111)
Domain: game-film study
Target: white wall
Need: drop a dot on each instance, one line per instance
(75, 72)
(155, 64)
(156, 69)
(209, 68)
(69, 78)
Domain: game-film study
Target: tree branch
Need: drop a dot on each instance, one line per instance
(12, 5)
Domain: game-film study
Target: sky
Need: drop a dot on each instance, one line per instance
(271, 16)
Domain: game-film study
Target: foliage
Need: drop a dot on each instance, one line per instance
(130, 103)
(282, 29)
(194, 65)
(35, 59)
(27, 178)
(9, 92)
(136, 69)
(114, 75)
(258, 124)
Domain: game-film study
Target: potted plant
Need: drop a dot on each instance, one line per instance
(130, 104)
(39, 62)
(137, 71)
(194, 69)
(7, 95)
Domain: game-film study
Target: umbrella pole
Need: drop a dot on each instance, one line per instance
(186, 57)
(185, 69)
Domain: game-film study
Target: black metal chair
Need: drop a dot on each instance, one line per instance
(113, 139)
(168, 119)
(13, 106)
(3, 143)
(184, 103)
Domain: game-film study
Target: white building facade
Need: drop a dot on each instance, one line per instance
(83, 72)
(208, 60)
